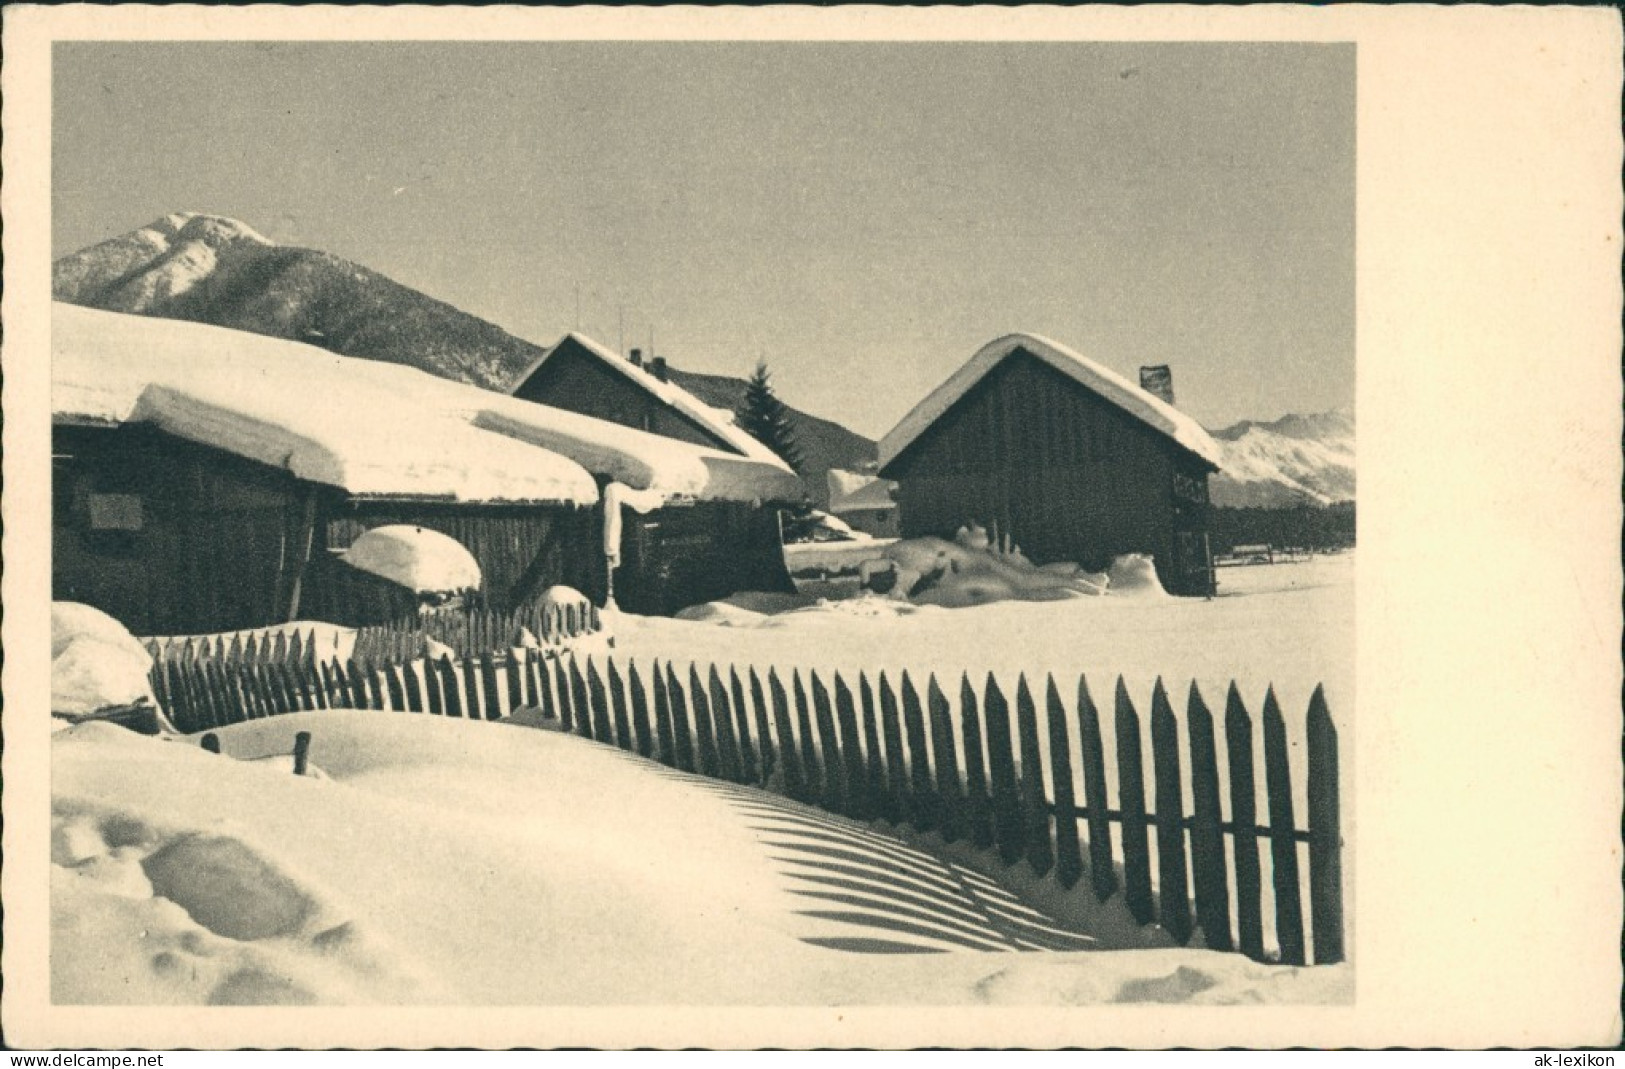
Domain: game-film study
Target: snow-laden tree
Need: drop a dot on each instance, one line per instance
(763, 416)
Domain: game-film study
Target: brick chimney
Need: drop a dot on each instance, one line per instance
(1158, 381)
(658, 366)
(636, 357)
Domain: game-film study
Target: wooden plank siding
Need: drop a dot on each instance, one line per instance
(221, 539)
(685, 555)
(573, 379)
(1069, 475)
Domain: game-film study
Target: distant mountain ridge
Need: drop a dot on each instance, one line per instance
(1294, 461)
(210, 269)
(215, 270)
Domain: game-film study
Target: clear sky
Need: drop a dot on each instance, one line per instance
(864, 216)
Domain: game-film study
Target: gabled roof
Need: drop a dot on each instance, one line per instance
(366, 426)
(1154, 412)
(717, 422)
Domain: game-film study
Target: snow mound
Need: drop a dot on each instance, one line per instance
(1134, 575)
(72, 621)
(96, 665)
(421, 560)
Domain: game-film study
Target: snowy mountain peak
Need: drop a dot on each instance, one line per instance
(1295, 460)
(214, 230)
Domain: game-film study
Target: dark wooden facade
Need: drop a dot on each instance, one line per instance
(170, 538)
(685, 555)
(1069, 475)
(175, 538)
(574, 379)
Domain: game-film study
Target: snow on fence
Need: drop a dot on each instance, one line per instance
(877, 752)
(465, 631)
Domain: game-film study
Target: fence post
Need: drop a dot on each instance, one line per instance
(1283, 843)
(897, 807)
(812, 774)
(432, 686)
(794, 785)
(857, 785)
(977, 803)
(598, 701)
(750, 768)
(617, 705)
(471, 687)
(665, 732)
(832, 760)
(1173, 891)
(1008, 829)
(392, 682)
(1068, 857)
(1208, 865)
(579, 700)
(489, 683)
(1325, 834)
(301, 753)
(1131, 792)
(515, 672)
(922, 808)
(210, 742)
(1035, 811)
(874, 765)
(450, 690)
(683, 741)
(722, 716)
(640, 710)
(764, 732)
(950, 794)
(704, 727)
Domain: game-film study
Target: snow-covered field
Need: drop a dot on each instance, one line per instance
(1290, 625)
(435, 860)
(438, 860)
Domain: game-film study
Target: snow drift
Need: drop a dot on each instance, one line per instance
(421, 873)
(96, 665)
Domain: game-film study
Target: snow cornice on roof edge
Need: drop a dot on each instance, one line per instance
(1154, 412)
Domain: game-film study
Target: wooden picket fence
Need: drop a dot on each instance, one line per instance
(878, 752)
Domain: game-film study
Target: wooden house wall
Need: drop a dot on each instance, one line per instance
(521, 550)
(1066, 473)
(222, 538)
(685, 555)
(579, 382)
(216, 545)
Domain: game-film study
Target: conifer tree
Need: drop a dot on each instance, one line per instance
(763, 416)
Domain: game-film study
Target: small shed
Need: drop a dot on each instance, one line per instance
(1067, 457)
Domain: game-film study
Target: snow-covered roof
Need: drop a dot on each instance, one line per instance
(716, 421)
(324, 418)
(367, 426)
(1154, 412)
(850, 491)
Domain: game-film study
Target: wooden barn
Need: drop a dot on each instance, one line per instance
(1070, 459)
(207, 479)
(709, 539)
(583, 376)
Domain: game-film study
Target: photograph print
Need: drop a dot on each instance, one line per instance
(778, 523)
